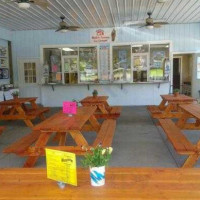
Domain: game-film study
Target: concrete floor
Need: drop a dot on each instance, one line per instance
(137, 142)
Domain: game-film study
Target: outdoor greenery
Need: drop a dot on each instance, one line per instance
(97, 157)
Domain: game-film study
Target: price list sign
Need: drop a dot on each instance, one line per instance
(61, 166)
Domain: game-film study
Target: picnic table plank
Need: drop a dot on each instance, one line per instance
(103, 109)
(189, 111)
(62, 124)
(180, 142)
(169, 106)
(121, 183)
(16, 109)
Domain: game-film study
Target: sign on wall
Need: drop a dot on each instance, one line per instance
(104, 55)
(103, 35)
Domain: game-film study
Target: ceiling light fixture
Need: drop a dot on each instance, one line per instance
(67, 49)
(149, 27)
(24, 5)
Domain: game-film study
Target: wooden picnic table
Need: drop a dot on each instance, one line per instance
(104, 110)
(189, 111)
(16, 109)
(62, 125)
(121, 183)
(168, 108)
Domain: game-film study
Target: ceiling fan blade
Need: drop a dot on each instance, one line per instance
(143, 26)
(157, 25)
(8, 1)
(132, 23)
(42, 3)
(161, 23)
(73, 28)
(58, 29)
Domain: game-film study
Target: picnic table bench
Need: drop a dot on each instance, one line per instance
(16, 109)
(104, 110)
(180, 142)
(121, 183)
(189, 111)
(168, 108)
(33, 144)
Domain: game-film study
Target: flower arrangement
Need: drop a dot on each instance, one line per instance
(15, 94)
(97, 157)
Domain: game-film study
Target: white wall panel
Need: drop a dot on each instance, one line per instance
(26, 44)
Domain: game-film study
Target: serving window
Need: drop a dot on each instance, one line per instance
(106, 63)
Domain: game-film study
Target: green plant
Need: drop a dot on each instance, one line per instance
(95, 93)
(15, 94)
(176, 90)
(97, 157)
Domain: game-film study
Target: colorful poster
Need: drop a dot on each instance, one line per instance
(103, 35)
(61, 166)
(69, 107)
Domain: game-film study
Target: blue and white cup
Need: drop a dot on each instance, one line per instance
(97, 175)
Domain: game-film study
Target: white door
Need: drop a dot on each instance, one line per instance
(29, 76)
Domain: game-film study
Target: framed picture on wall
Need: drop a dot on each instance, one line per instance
(4, 74)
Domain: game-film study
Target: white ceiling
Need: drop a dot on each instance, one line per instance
(96, 13)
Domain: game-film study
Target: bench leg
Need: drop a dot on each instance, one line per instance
(191, 160)
(29, 123)
(95, 124)
(42, 117)
(78, 138)
(63, 137)
(41, 142)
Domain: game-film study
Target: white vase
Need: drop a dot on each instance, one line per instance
(97, 176)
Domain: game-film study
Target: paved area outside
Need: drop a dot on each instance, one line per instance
(137, 142)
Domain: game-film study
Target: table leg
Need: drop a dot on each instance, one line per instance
(102, 109)
(41, 142)
(162, 105)
(62, 140)
(34, 105)
(182, 121)
(95, 124)
(42, 117)
(78, 138)
(23, 116)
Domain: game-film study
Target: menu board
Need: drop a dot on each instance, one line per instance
(61, 166)
(104, 62)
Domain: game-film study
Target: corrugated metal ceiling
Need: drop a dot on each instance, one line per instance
(96, 13)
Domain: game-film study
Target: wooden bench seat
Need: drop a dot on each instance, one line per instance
(114, 113)
(116, 110)
(36, 112)
(22, 144)
(106, 133)
(180, 142)
(154, 109)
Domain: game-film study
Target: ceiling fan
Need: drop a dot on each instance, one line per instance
(149, 23)
(25, 4)
(63, 28)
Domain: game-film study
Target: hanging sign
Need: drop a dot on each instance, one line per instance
(61, 166)
(103, 35)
